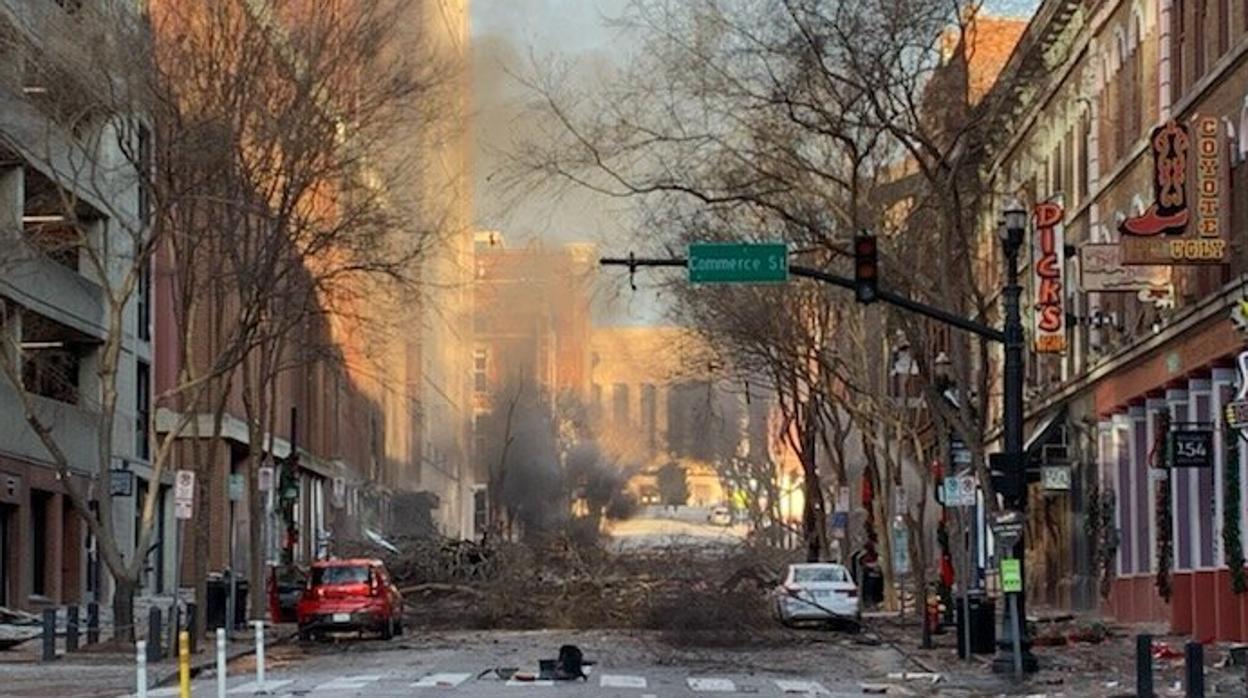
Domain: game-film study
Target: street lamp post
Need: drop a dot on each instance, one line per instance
(1013, 233)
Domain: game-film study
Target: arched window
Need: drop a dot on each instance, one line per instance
(1137, 74)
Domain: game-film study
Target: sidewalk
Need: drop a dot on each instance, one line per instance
(105, 670)
(1093, 668)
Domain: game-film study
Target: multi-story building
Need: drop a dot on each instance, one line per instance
(1128, 132)
(71, 209)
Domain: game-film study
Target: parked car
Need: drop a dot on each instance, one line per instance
(355, 594)
(720, 516)
(818, 592)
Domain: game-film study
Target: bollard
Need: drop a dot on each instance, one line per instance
(140, 663)
(153, 635)
(184, 664)
(259, 653)
(93, 623)
(221, 668)
(49, 635)
(71, 628)
(191, 627)
(175, 627)
(1195, 665)
(1144, 666)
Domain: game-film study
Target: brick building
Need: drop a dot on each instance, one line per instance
(1147, 346)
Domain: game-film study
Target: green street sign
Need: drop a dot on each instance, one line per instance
(1011, 575)
(738, 263)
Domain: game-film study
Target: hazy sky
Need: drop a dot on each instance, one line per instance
(505, 34)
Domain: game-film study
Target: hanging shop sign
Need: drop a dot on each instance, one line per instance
(121, 483)
(1056, 478)
(1190, 447)
(1049, 264)
(1237, 409)
(1101, 271)
(1239, 315)
(1184, 223)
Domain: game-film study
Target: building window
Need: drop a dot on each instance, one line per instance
(144, 309)
(1178, 29)
(144, 167)
(1057, 170)
(1085, 162)
(650, 417)
(39, 502)
(1224, 26)
(480, 379)
(52, 371)
(142, 409)
(1198, 40)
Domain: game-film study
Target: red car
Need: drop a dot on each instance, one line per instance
(354, 594)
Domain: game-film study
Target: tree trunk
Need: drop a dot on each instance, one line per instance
(123, 608)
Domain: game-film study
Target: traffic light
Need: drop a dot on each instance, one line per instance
(866, 268)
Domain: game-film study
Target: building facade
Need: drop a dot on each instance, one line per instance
(71, 209)
(1147, 285)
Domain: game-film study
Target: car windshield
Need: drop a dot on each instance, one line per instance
(325, 576)
(819, 574)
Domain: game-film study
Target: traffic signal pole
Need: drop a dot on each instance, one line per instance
(1010, 337)
(990, 333)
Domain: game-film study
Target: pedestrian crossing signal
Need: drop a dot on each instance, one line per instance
(866, 268)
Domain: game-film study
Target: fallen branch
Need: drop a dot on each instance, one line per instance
(438, 588)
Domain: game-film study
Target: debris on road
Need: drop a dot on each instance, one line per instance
(929, 676)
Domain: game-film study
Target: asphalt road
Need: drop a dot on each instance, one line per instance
(628, 665)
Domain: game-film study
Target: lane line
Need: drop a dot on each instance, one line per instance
(347, 683)
(810, 688)
(254, 687)
(620, 681)
(441, 680)
(710, 684)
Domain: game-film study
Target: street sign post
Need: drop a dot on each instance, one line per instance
(960, 491)
(183, 494)
(738, 263)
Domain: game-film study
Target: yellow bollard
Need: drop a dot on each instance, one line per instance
(184, 664)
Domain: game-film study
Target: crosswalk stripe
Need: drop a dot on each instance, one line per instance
(616, 681)
(711, 684)
(537, 682)
(810, 688)
(441, 680)
(253, 687)
(345, 683)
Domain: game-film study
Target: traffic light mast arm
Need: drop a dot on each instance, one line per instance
(937, 314)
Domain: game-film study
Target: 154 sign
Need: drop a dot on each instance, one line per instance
(1191, 448)
(1049, 262)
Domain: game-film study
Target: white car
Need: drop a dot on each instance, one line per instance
(720, 516)
(817, 591)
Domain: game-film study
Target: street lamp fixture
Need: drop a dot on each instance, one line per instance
(1013, 226)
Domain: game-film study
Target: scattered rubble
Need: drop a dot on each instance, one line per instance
(17, 627)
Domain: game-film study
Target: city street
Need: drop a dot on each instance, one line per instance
(687, 526)
(627, 664)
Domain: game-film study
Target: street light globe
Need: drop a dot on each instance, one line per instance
(1014, 216)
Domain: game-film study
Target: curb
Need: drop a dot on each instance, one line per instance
(210, 663)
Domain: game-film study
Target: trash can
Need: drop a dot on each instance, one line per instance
(218, 601)
(983, 624)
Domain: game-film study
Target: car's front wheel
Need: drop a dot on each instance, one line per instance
(387, 629)
(305, 633)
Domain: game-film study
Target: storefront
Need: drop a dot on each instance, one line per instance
(1169, 510)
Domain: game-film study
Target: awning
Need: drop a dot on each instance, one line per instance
(1047, 431)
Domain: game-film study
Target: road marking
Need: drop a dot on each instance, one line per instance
(538, 682)
(615, 681)
(346, 683)
(257, 687)
(711, 684)
(810, 688)
(441, 680)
